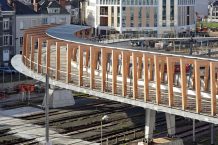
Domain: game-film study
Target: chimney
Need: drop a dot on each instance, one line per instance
(10, 2)
(35, 1)
(35, 5)
(62, 3)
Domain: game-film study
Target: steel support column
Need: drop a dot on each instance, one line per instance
(69, 56)
(114, 71)
(124, 73)
(213, 88)
(33, 40)
(92, 67)
(103, 68)
(135, 77)
(146, 80)
(58, 60)
(157, 77)
(170, 82)
(48, 57)
(197, 86)
(39, 61)
(183, 84)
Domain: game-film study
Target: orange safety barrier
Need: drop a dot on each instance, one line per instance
(26, 88)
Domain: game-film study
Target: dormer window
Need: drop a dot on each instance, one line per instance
(53, 10)
(53, 7)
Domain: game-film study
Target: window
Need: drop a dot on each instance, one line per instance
(52, 20)
(104, 11)
(118, 21)
(6, 55)
(21, 25)
(44, 20)
(54, 10)
(112, 21)
(7, 40)
(21, 41)
(6, 24)
(34, 22)
(63, 20)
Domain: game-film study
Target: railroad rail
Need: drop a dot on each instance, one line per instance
(142, 78)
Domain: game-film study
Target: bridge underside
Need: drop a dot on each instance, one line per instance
(175, 84)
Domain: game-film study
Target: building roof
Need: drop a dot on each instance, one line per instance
(5, 6)
(50, 4)
(74, 3)
(22, 8)
(53, 4)
(215, 3)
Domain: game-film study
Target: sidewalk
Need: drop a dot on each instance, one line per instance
(30, 131)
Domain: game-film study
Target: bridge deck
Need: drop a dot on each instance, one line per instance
(177, 84)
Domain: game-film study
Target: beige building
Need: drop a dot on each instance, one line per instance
(144, 16)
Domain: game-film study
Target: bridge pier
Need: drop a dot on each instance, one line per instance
(150, 116)
(193, 132)
(59, 98)
(212, 134)
(171, 124)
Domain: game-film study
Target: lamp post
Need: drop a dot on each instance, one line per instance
(105, 117)
(47, 112)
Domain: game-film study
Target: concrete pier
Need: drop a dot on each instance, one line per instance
(212, 142)
(171, 124)
(149, 124)
(193, 132)
(60, 98)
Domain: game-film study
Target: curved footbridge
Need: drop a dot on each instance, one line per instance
(176, 84)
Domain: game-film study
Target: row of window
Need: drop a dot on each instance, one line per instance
(148, 15)
(128, 2)
(108, 2)
(43, 21)
(186, 2)
(141, 2)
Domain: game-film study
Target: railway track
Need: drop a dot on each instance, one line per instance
(126, 123)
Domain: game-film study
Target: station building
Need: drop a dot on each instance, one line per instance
(145, 16)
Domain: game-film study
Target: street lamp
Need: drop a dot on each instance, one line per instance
(104, 118)
(47, 112)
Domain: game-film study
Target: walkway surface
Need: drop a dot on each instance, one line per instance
(172, 83)
(107, 95)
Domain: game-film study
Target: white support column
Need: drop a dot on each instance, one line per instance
(212, 142)
(171, 124)
(59, 98)
(193, 132)
(149, 124)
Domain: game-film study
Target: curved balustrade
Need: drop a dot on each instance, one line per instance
(173, 81)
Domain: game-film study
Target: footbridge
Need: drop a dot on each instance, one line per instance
(176, 84)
